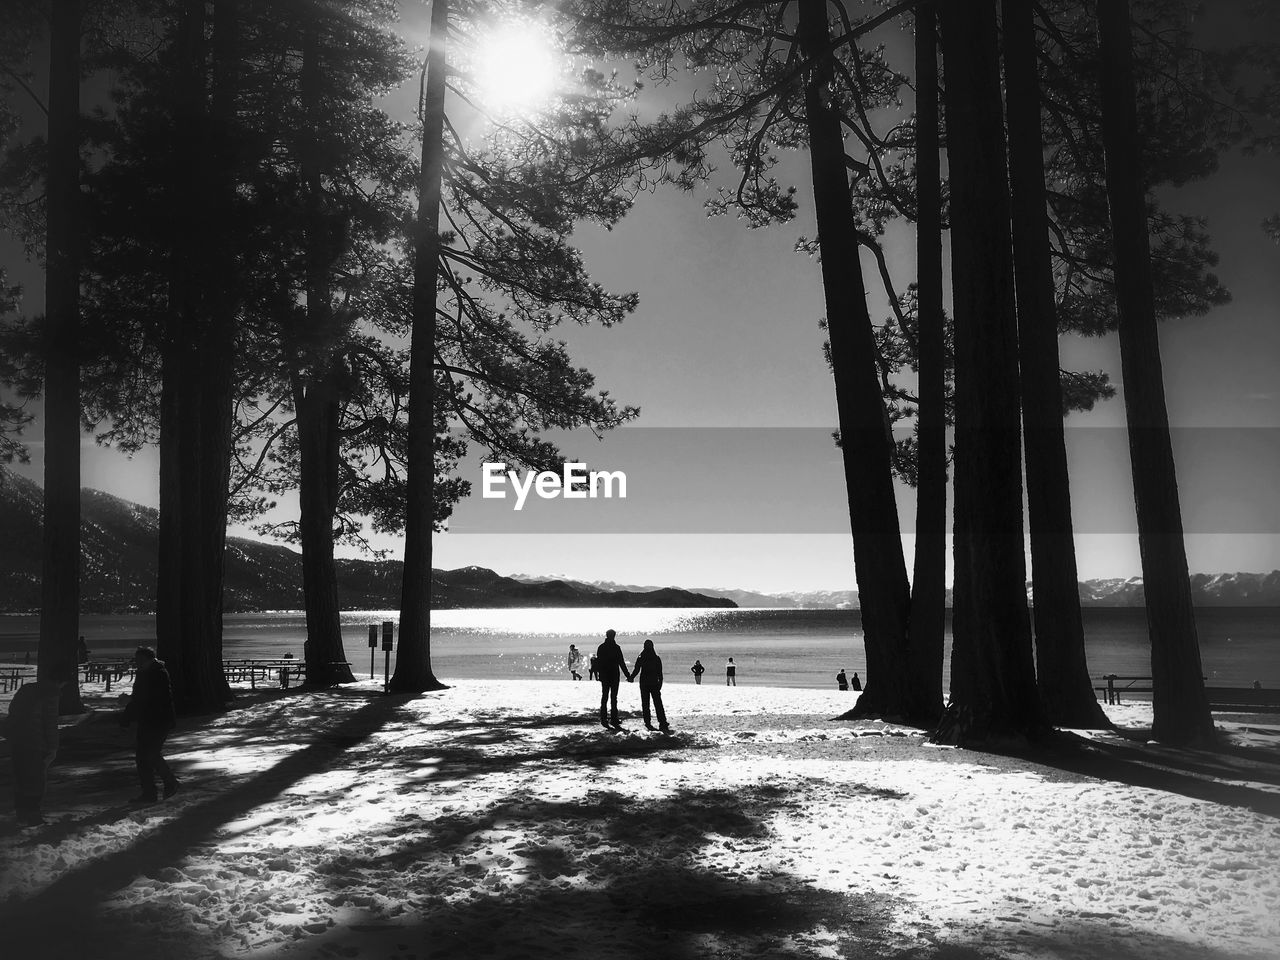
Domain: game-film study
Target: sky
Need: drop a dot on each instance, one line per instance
(726, 341)
(732, 478)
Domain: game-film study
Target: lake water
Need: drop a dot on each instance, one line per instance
(792, 648)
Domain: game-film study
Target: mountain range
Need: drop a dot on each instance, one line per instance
(118, 568)
(118, 573)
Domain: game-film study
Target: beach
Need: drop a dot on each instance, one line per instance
(497, 818)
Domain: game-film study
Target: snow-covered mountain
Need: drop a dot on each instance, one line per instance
(119, 573)
(1207, 590)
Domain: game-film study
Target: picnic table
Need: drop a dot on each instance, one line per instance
(107, 671)
(282, 671)
(285, 671)
(12, 676)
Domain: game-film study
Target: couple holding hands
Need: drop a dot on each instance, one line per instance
(612, 666)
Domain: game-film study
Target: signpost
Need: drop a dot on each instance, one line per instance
(373, 646)
(387, 628)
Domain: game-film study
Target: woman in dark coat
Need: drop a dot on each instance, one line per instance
(649, 669)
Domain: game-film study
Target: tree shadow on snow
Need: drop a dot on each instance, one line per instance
(61, 919)
(625, 878)
(1198, 773)
(628, 878)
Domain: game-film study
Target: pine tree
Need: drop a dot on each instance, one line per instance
(927, 628)
(40, 195)
(1062, 670)
(1181, 708)
(512, 208)
(413, 655)
(993, 691)
(774, 88)
(60, 571)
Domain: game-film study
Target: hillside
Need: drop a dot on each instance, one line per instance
(119, 573)
(118, 568)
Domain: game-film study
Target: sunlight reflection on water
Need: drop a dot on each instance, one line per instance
(586, 621)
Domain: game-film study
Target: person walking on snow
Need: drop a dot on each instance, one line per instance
(151, 705)
(610, 665)
(575, 662)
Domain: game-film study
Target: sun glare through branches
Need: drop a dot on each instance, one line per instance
(515, 68)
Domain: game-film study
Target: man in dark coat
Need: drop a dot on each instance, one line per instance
(151, 705)
(32, 731)
(611, 665)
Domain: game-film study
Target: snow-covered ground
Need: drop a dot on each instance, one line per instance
(498, 819)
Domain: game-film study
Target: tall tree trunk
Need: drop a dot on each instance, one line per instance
(1062, 670)
(60, 569)
(927, 629)
(883, 591)
(413, 672)
(1178, 699)
(218, 345)
(180, 619)
(317, 404)
(317, 425)
(993, 689)
(169, 541)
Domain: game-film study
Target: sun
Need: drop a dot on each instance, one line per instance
(516, 68)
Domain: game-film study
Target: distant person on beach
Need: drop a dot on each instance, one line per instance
(1257, 684)
(649, 669)
(610, 665)
(32, 731)
(151, 705)
(731, 673)
(593, 668)
(82, 652)
(575, 662)
(842, 681)
(855, 683)
(698, 670)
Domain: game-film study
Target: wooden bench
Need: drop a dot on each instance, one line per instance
(1221, 699)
